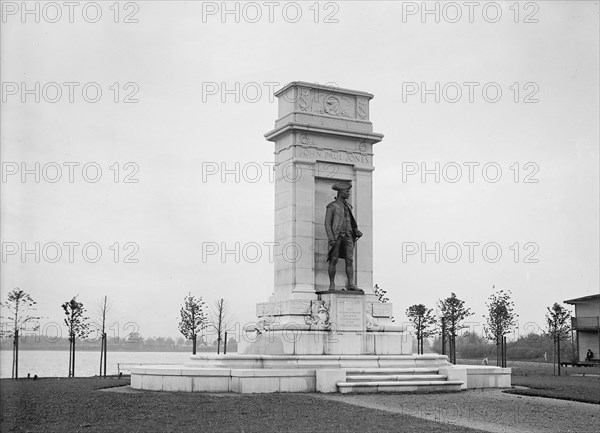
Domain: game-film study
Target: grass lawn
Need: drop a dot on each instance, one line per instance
(77, 405)
(541, 381)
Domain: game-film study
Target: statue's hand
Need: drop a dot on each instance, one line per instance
(358, 233)
(331, 242)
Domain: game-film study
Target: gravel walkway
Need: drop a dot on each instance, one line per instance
(485, 409)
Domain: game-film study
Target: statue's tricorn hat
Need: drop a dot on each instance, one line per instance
(342, 186)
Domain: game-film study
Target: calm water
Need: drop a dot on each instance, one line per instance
(51, 363)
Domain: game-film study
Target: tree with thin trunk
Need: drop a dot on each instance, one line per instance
(193, 319)
(501, 320)
(219, 318)
(452, 313)
(104, 308)
(77, 325)
(18, 304)
(558, 321)
(422, 319)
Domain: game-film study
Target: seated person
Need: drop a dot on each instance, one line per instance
(589, 355)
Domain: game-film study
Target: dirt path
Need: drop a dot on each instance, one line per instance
(489, 410)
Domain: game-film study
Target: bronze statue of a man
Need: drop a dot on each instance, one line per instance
(342, 233)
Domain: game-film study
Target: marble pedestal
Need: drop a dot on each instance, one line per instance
(336, 323)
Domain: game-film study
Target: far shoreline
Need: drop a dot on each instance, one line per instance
(88, 349)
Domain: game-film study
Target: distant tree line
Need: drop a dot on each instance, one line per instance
(133, 343)
(530, 347)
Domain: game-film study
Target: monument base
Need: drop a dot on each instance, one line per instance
(343, 373)
(337, 323)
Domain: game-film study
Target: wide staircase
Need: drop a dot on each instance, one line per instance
(406, 380)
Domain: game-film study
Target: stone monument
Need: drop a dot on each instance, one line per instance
(312, 335)
(323, 140)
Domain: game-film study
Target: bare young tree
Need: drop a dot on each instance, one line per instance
(78, 326)
(219, 318)
(558, 321)
(193, 319)
(501, 320)
(18, 304)
(452, 313)
(103, 309)
(423, 319)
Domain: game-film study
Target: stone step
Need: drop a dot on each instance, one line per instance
(400, 387)
(393, 377)
(387, 371)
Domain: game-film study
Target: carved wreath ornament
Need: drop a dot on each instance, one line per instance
(332, 105)
(319, 314)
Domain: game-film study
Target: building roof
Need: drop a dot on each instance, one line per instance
(583, 299)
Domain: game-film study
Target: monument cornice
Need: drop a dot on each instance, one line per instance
(324, 88)
(274, 134)
(332, 149)
(294, 113)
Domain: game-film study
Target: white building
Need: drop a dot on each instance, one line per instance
(587, 324)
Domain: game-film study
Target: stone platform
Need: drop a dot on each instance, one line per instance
(324, 373)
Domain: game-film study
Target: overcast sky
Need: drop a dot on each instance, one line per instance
(178, 60)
